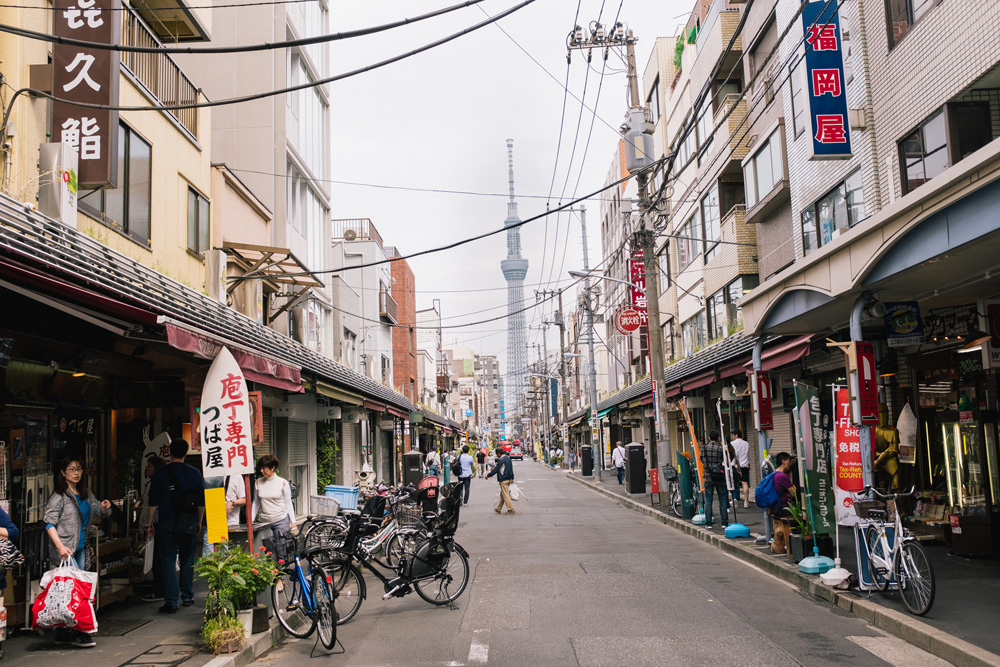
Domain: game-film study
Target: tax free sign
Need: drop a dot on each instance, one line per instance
(824, 61)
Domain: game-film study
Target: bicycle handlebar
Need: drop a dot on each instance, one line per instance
(886, 496)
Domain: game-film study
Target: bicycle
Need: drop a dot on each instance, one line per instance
(304, 603)
(437, 569)
(904, 560)
(673, 489)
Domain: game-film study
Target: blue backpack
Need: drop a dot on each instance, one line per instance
(766, 495)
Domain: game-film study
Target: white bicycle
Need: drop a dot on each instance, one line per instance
(904, 559)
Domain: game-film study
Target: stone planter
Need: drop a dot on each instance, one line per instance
(797, 547)
(254, 620)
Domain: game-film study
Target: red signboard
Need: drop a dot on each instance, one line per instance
(762, 401)
(867, 383)
(637, 276)
(628, 319)
(849, 470)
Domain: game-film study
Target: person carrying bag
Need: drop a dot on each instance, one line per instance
(67, 601)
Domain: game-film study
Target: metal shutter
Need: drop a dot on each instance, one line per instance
(298, 443)
(347, 454)
(266, 446)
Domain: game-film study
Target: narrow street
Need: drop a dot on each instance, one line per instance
(574, 578)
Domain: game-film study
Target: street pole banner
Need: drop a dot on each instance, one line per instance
(760, 387)
(694, 446)
(812, 447)
(226, 442)
(847, 457)
(827, 90)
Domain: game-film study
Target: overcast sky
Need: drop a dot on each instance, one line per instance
(440, 121)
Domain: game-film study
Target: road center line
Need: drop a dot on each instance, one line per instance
(479, 651)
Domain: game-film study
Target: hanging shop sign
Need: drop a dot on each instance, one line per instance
(760, 387)
(637, 276)
(89, 76)
(866, 387)
(824, 62)
(849, 472)
(812, 440)
(628, 319)
(903, 324)
(226, 426)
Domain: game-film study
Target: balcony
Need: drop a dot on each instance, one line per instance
(387, 308)
(157, 73)
(355, 229)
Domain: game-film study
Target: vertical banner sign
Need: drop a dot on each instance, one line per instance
(848, 459)
(867, 389)
(760, 385)
(90, 76)
(812, 445)
(824, 62)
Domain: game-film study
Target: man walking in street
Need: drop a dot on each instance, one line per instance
(481, 461)
(742, 448)
(504, 470)
(712, 459)
(176, 490)
(465, 462)
(618, 461)
(433, 463)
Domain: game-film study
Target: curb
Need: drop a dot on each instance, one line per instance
(255, 647)
(904, 626)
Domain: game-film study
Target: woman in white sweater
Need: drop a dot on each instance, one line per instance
(273, 504)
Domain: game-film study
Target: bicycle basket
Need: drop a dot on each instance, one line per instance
(324, 506)
(669, 473)
(410, 517)
(861, 507)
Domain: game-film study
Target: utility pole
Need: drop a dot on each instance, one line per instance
(560, 322)
(589, 307)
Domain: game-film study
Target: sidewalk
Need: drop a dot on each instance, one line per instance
(961, 627)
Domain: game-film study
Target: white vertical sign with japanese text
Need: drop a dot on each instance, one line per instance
(225, 430)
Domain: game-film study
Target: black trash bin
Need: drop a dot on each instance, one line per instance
(587, 461)
(413, 467)
(635, 468)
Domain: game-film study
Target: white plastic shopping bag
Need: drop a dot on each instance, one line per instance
(66, 600)
(514, 491)
(148, 564)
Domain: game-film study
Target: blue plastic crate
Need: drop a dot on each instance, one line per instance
(347, 496)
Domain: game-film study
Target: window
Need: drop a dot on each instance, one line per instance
(712, 228)
(687, 241)
(386, 371)
(902, 14)
(308, 216)
(664, 264)
(694, 333)
(349, 348)
(315, 325)
(705, 123)
(723, 313)
(764, 171)
(127, 207)
(800, 102)
(838, 210)
(717, 315)
(310, 109)
(925, 152)
(198, 222)
(654, 100)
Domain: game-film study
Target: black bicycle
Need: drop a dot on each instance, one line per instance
(437, 568)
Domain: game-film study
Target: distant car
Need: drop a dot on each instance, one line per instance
(516, 453)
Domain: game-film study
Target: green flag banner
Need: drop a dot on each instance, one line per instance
(813, 448)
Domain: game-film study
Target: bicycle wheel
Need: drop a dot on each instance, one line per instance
(291, 606)
(915, 576)
(876, 547)
(403, 542)
(448, 583)
(676, 504)
(349, 589)
(324, 598)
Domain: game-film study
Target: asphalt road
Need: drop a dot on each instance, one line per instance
(574, 578)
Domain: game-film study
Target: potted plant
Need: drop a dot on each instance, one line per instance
(800, 539)
(224, 634)
(235, 578)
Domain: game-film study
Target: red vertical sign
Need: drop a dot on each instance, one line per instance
(867, 383)
(762, 401)
(848, 446)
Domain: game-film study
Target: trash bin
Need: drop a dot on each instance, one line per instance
(635, 468)
(587, 461)
(413, 467)
(687, 497)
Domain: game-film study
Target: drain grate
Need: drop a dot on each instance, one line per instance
(119, 627)
(163, 655)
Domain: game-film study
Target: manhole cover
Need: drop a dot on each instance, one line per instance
(163, 655)
(119, 627)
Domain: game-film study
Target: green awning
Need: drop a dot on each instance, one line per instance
(600, 415)
(337, 393)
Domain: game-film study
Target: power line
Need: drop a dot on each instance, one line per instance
(272, 93)
(246, 48)
(161, 9)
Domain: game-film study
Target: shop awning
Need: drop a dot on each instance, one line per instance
(257, 367)
(784, 353)
(700, 380)
(646, 400)
(732, 370)
(338, 394)
(374, 405)
(602, 413)
(673, 391)
(398, 413)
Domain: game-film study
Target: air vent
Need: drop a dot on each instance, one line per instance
(350, 235)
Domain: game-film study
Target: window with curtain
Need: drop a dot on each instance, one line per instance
(688, 241)
(838, 210)
(197, 222)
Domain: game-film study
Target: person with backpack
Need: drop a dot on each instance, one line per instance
(618, 461)
(72, 507)
(177, 495)
(273, 503)
(433, 463)
(462, 468)
(772, 495)
(713, 461)
(504, 470)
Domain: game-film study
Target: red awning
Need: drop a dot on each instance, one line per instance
(673, 390)
(733, 369)
(256, 367)
(374, 405)
(646, 400)
(699, 380)
(397, 412)
(785, 353)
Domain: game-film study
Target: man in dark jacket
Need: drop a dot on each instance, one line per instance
(715, 478)
(504, 470)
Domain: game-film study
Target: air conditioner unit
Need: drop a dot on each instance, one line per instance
(350, 235)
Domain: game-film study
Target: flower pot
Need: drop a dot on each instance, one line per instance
(798, 547)
(254, 620)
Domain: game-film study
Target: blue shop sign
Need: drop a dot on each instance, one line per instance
(831, 133)
(903, 324)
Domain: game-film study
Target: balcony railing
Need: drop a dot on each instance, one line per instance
(351, 229)
(387, 307)
(165, 82)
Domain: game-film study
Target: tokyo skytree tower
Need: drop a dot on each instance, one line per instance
(515, 268)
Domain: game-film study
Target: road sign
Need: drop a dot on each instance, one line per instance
(627, 319)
